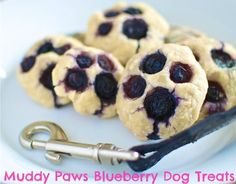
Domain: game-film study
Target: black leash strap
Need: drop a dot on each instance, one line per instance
(159, 150)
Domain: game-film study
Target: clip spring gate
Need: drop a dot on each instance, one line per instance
(58, 145)
(139, 158)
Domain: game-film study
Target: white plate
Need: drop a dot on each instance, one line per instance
(22, 22)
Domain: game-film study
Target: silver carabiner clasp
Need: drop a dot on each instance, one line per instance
(58, 146)
(56, 133)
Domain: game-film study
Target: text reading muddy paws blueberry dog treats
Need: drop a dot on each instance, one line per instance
(123, 177)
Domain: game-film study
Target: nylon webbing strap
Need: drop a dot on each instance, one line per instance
(152, 153)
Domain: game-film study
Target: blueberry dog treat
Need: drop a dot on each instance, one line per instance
(125, 29)
(34, 72)
(89, 78)
(162, 92)
(178, 34)
(218, 59)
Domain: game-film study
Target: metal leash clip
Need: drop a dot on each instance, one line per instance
(58, 145)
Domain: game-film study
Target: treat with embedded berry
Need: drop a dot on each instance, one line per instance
(218, 59)
(89, 78)
(162, 91)
(126, 29)
(34, 72)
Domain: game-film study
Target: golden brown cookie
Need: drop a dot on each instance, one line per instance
(126, 29)
(34, 72)
(89, 78)
(162, 91)
(218, 59)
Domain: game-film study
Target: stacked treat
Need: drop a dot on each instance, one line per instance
(159, 79)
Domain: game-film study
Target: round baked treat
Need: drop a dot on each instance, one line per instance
(89, 78)
(126, 29)
(218, 59)
(162, 91)
(34, 72)
(178, 34)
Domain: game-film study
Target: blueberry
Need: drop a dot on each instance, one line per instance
(46, 47)
(106, 87)
(222, 59)
(84, 61)
(215, 92)
(46, 77)
(132, 11)
(112, 13)
(104, 28)
(160, 104)
(153, 63)
(61, 50)
(216, 96)
(76, 80)
(105, 63)
(27, 63)
(180, 73)
(135, 28)
(134, 87)
(46, 80)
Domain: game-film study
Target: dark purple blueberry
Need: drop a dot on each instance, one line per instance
(104, 28)
(46, 47)
(106, 87)
(135, 28)
(27, 63)
(105, 63)
(61, 50)
(180, 73)
(84, 61)
(111, 13)
(160, 104)
(222, 59)
(132, 11)
(134, 87)
(215, 92)
(154, 135)
(153, 63)
(76, 80)
(46, 77)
